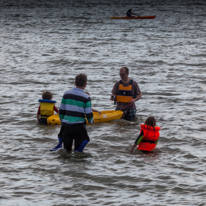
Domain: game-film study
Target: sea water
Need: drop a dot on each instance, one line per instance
(45, 44)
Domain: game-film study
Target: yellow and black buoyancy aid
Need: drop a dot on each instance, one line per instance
(124, 94)
(47, 108)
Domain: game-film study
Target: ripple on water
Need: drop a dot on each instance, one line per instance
(45, 46)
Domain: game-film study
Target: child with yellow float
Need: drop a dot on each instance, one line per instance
(46, 108)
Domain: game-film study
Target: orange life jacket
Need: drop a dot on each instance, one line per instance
(124, 94)
(150, 137)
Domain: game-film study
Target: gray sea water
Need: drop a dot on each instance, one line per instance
(45, 44)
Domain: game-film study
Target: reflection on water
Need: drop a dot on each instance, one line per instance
(45, 44)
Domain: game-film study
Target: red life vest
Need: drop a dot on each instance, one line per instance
(150, 137)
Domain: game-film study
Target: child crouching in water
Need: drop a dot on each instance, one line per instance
(148, 137)
(46, 108)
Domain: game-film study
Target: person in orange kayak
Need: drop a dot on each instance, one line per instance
(129, 13)
(46, 107)
(126, 92)
(148, 137)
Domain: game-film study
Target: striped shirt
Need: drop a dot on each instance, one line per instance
(75, 107)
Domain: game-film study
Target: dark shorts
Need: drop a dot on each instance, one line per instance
(43, 121)
(129, 114)
(70, 133)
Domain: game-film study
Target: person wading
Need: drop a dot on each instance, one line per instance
(126, 92)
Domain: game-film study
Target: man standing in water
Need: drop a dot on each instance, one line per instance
(75, 105)
(126, 92)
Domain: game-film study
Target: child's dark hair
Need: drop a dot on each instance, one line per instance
(47, 95)
(150, 121)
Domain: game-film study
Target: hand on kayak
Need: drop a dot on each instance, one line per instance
(94, 110)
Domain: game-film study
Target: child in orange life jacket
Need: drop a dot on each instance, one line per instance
(46, 108)
(148, 137)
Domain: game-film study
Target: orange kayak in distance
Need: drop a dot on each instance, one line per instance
(134, 17)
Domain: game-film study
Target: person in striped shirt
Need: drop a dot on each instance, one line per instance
(75, 108)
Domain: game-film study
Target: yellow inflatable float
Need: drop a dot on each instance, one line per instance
(106, 116)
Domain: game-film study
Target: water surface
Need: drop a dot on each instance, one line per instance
(45, 45)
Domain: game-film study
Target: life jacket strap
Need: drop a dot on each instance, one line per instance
(44, 116)
(149, 141)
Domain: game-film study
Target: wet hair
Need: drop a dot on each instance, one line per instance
(47, 95)
(126, 70)
(150, 121)
(80, 80)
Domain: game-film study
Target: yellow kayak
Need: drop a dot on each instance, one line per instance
(106, 116)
